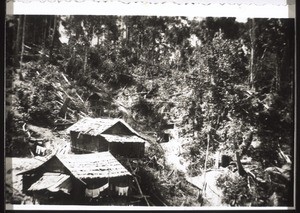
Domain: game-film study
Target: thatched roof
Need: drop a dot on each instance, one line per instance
(53, 182)
(95, 165)
(123, 138)
(97, 126)
(83, 166)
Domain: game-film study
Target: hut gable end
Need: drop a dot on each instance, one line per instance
(52, 165)
(118, 129)
(98, 134)
(97, 126)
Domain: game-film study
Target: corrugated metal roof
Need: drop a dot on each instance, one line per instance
(53, 182)
(94, 165)
(123, 138)
(96, 126)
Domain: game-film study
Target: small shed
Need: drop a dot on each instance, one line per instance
(97, 102)
(169, 132)
(106, 134)
(76, 178)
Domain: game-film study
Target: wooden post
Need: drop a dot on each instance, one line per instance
(138, 185)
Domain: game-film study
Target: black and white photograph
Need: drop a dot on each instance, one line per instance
(149, 111)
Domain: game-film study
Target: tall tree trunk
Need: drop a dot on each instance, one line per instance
(23, 40)
(45, 30)
(277, 75)
(53, 36)
(85, 59)
(252, 57)
(49, 26)
(240, 167)
(18, 40)
(35, 38)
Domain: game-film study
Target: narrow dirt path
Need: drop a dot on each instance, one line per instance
(172, 151)
(213, 194)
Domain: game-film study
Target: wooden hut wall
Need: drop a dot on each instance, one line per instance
(118, 129)
(141, 149)
(97, 110)
(74, 139)
(133, 150)
(87, 143)
(121, 181)
(94, 102)
(102, 143)
(93, 183)
(78, 190)
(45, 197)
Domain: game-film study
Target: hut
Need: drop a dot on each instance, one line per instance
(99, 134)
(169, 132)
(77, 179)
(97, 102)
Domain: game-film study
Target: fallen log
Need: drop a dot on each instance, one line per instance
(169, 175)
(68, 82)
(60, 103)
(65, 78)
(36, 139)
(284, 156)
(59, 94)
(159, 199)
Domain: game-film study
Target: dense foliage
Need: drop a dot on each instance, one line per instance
(226, 85)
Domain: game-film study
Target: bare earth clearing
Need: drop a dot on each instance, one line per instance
(55, 142)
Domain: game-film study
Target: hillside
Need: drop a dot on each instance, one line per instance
(56, 141)
(227, 95)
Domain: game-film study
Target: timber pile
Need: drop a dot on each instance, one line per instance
(65, 100)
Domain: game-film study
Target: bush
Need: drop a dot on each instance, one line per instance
(237, 192)
(15, 139)
(235, 189)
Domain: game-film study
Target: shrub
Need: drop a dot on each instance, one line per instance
(235, 189)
